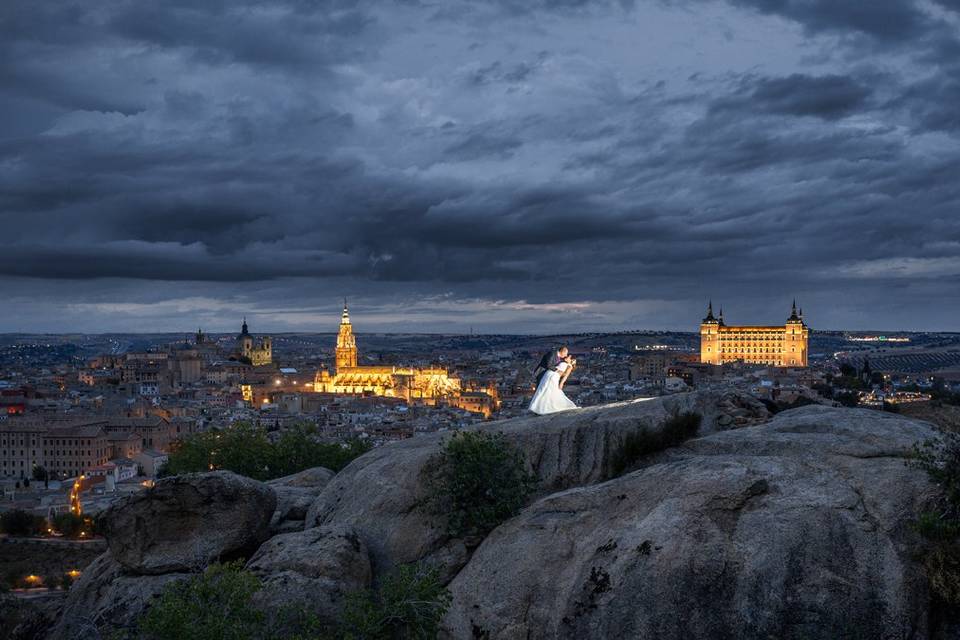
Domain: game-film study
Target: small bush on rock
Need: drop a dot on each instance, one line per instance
(408, 605)
(676, 430)
(215, 605)
(477, 481)
(941, 460)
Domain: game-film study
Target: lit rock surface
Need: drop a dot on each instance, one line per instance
(381, 493)
(793, 529)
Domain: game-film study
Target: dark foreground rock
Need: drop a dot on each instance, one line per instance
(184, 522)
(295, 493)
(793, 529)
(107, 597)
(315, 569)
(798, 526)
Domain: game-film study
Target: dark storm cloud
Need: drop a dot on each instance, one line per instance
(828, 97)
(492, 155)
(890, 20)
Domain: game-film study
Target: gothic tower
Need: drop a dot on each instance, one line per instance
(710, 337)
(346, 342)
(796, 336)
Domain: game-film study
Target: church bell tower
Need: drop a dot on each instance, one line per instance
(346, 342)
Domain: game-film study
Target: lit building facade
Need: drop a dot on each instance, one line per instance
(779, 346)
(63, 452)
(425, 385)
(259, 351)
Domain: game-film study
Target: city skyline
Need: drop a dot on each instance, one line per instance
(573, 166)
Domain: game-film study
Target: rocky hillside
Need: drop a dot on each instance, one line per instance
(786, 526)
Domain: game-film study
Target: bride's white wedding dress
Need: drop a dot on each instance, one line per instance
(549, 397)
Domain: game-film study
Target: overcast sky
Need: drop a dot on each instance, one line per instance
(507, 165)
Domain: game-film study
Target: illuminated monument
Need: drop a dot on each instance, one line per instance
(780, 346)
(417, 385)
(260, 352)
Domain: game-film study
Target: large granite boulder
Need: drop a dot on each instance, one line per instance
(381, 493)
(315, 568)
(107, 598)
(313, 478)
(798, 528)
(185, 522)
(295, 493)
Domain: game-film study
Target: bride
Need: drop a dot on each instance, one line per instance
(549, 397)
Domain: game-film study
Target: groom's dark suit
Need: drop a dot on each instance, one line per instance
(548, 362)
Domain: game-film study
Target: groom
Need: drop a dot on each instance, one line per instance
(549, 361)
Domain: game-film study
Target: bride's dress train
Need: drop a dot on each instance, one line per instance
(549, 397)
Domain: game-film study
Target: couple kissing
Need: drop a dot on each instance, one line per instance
(551, 373)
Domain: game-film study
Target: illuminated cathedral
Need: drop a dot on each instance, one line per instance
(422, 385)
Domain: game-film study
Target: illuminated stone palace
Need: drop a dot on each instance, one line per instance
(416, 385)
(779, 346)
(259, 351)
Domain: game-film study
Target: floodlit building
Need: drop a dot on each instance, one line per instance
(779, 346)
(411, 384)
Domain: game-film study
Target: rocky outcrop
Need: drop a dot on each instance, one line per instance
(24, 619)
(107, 597)
(381, 493)
(315, 568)
(793, 529)
(184, 522)
(295, 494)
(792, 526)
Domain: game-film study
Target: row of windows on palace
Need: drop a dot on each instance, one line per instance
(755, 350)
(55, 441)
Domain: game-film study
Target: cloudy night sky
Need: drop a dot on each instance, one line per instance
(530, 166)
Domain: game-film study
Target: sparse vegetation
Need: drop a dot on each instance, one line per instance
(677, 429)
(17, 522)
(246, 449)
(941, 460)
(218, 605)
(477, 481)
(408, 605)
(68, 524)
(215, 605)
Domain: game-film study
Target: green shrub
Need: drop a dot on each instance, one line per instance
(218, 605)
(408, 605)
(933, 526)
(942, 566)
(214, 605)
(298, 448)
(941, 460)
(477, 481)
(246, 449)
(676, 430)
(18, 522)
(67, 524)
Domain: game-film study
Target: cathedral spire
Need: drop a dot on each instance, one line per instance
(345, 317)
